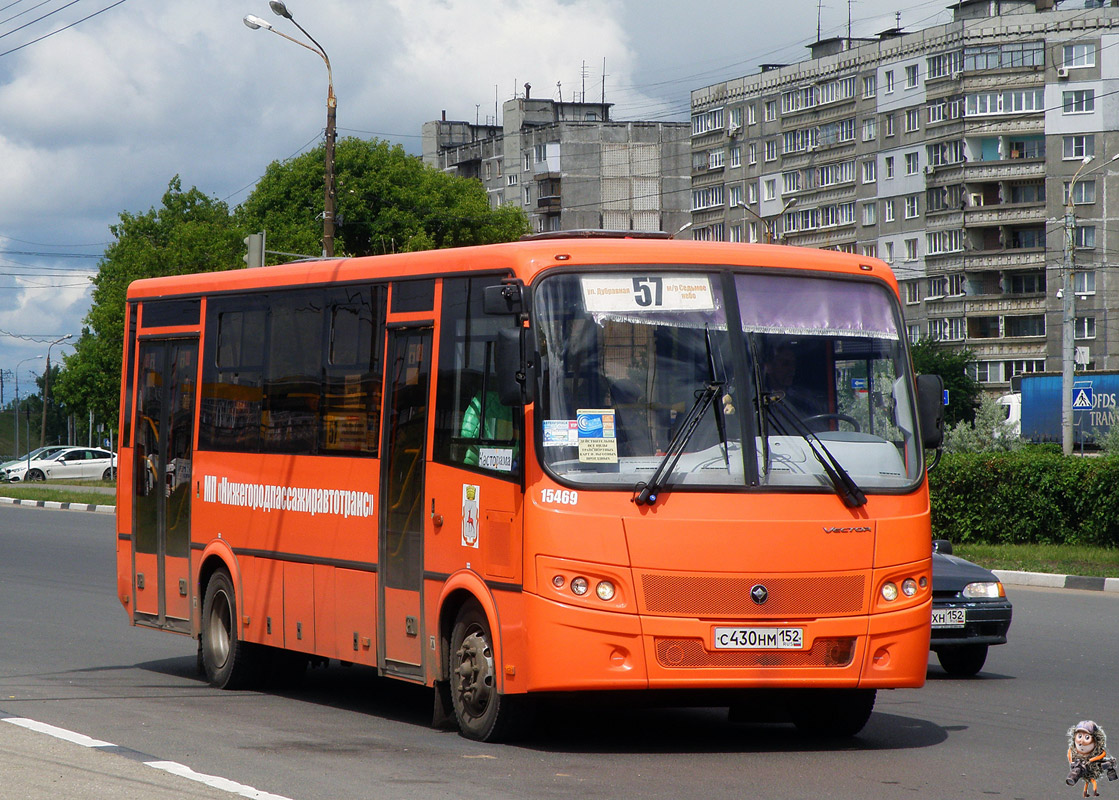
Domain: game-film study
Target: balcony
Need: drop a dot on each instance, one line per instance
(1023, 258)
(1006, 169)
(551, 203)
(1005, 214)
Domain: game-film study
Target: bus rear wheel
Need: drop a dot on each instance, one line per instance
(227, 661)
(482, 712)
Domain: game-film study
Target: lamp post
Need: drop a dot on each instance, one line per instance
(47, 388)
(16, 415)
(1068, 309)
(256, 23)
(767, 222)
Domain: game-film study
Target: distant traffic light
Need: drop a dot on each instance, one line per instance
(254, 243)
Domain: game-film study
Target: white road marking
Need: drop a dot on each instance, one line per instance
(58, 733)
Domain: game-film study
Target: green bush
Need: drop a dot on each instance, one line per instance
(1029, 496)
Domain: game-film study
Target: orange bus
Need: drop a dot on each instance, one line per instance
(571, 463)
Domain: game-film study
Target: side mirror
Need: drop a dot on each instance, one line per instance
(930, 410)
(506, 298)
(515, 380)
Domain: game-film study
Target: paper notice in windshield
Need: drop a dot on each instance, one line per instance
(598, 435)
(639, 293)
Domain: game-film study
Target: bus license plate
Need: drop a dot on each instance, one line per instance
(949, 617)
(759, 638)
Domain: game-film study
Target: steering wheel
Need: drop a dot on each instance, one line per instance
(854, 423)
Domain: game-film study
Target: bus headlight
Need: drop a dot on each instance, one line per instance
(889, 592)
(605, 590)
(579, 586)
(909, 587)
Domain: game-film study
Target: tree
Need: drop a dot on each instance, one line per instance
(950, 363)
(990, 432)
(190, 232)
(386, 201)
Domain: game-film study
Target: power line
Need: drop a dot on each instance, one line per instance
(59, 30)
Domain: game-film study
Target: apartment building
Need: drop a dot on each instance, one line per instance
(949, 153)
(570, 166)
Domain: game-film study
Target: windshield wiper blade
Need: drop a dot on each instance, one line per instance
(646, 493)
(845, 486)
(720, 413)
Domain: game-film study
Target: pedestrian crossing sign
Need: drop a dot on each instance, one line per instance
(1082, 399)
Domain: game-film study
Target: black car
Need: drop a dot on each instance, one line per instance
(970, 612)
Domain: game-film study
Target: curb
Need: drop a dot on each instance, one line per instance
(1047, 580)
(13, 501)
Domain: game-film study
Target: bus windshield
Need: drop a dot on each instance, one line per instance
(641, 377)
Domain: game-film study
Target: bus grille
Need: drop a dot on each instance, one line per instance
(706, 596)
(690, 653)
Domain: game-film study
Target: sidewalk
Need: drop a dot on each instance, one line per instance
(1053, 581)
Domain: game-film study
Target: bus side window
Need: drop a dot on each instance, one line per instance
(473, 428)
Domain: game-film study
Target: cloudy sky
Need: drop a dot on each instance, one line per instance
(102, 102)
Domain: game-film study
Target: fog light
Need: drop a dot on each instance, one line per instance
(890, 592)
(909, 587)
(924, 581)
(604, 590)
(558, 581)
(579, 586)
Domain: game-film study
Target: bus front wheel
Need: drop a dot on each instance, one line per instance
(832, 713)
(481, 711)
(226, 660)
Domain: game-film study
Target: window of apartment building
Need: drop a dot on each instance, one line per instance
(752, 153)
(771, 150)
(752, 228)
(1027, 283)
(870, 170)
(736, 117)
(910, 249)
(889, 76)
(951, 329)
(1026, 325)
(1027, 238)
(914, 333)
(790, 182)
(527, 195)
(889, 248)
(888, 163)
(912, 292)
(870, 129)
(1083, 192)
(734, 196)
(751, 114)
(888, 210)
(912, 206)
(944, 65)
(936, 199)
(839, 172)
(770, 110)
(1084, 236)
(1024, 366)
(736, 157)
(937, 287)
(1005, 56)
(888, 121)
(1085, 327)
(870, 85)
(935, 111)
(1029, 192)
(829, 217)
(707, 121)
(1079, 101)
(912, 163)
(715, 159)
(736, 233)
(846, 131)
(1011, 101)
(870, 213)
(983, 328)
(1078, 146)
(939, 242)
(845, 214)
(912, 120)
(1074, 56)
(957, 284)
(986, 371)
(512, 179)
(1031, 147)
(869, 250)
(911, 76)
(751, 192)
(707, 197)
(769, 189)
(1084, 282)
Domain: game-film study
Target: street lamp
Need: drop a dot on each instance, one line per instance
(256, 23)
(1068, 315)
(767, 222)
(47, 388)
(20, 364)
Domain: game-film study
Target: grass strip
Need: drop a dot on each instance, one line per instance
(1062, 559)
(57, 495)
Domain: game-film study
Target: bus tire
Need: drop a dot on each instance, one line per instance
(964, 660)
(481, 711)
(227, 661)
(832, 713)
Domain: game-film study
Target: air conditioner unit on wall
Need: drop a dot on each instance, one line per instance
(1062, 72)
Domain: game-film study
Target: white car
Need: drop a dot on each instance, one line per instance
(71, 463)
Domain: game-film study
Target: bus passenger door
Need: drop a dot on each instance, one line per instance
(164, 435)
(401, 547)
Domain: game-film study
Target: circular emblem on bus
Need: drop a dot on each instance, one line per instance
(759, 594)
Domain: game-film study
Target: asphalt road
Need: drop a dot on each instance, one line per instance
(69, 659)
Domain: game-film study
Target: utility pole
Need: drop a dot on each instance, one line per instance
(1068, 327)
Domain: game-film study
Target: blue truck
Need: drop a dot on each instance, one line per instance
(1095, 406)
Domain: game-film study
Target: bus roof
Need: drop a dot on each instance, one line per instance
(524, 259)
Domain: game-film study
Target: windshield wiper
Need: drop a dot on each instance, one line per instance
(720, 412)
(646, 493)
(845, 486)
